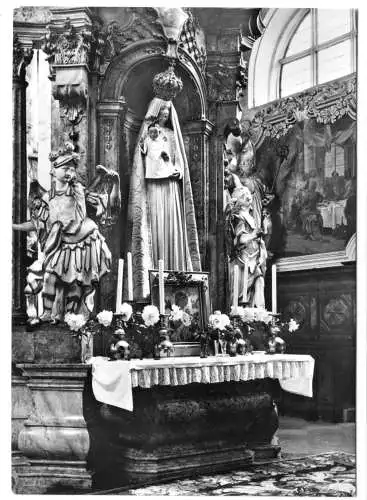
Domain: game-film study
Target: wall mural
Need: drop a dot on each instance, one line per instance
(317, 190)
(306, 155)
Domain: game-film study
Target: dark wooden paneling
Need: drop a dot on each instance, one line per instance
(324, 301)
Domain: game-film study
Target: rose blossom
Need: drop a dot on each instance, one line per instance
(75, 321)
(105, 317)
(215, 319)
(150, 315)
(126, 311)
(293, 325)
(224, 321)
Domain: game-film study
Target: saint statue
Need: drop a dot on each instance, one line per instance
(247, 219)
(74, 255)
(161, 216)
(246, 246)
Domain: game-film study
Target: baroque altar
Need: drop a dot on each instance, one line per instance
(149, 155)
(132, 422)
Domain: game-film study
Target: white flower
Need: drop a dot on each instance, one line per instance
(126, 311)
(219, 320)
(264, 316)
(150, 315)
(225, 321)
(186, 319)
(75, 321)
(293, 325)
(215, 319)
(105, 317)
(248, 315)
(176, 314)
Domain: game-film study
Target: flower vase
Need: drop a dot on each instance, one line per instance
(86, 344)
(232, 348)
(271, 345)
(222, 347)
(203, 346)
(156, 347)
(166, 347)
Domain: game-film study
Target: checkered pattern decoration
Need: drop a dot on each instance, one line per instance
(190, 45)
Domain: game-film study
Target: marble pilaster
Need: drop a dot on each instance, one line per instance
(111, 154)
(22, 55)
(197, 135)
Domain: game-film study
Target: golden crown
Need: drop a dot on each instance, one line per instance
(167, 85)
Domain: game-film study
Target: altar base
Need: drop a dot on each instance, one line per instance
(184, 431)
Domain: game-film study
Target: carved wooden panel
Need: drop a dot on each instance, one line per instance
(324, 301)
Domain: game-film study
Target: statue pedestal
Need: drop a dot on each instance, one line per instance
(55, 440)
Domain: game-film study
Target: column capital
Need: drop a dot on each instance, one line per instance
(111, 107)
(22, 55)
(202, 126)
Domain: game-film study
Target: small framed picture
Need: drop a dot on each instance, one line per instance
(187, 302)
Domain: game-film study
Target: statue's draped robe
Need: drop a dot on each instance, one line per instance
(161, 215)
(254, 253)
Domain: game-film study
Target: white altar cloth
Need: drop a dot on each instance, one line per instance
(112, 381)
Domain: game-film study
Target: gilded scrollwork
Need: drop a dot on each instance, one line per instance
(325, 103)
(140, 28)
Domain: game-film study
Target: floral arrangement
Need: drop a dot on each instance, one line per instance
(139, 328)
(264, 327)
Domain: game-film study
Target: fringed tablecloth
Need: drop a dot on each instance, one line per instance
(113, 380)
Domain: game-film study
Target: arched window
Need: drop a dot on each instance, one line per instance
(321, 49)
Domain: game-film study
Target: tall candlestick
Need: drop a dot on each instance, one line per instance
(274, 288)
(120, 275)
(40, 257)
(129, 277)
(235, 289)
(245, 278)
(161, 286)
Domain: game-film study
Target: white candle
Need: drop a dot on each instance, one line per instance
(129, 277)
(244, 288)
(40, 257)
(120, 275)
(161, 285)
(235, 289)
(274, 288)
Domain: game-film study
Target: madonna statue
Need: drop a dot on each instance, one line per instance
(161, 214)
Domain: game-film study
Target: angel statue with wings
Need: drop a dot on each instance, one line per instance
(73, 253)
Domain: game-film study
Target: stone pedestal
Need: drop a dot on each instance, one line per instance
(182, 431)
(55, 440)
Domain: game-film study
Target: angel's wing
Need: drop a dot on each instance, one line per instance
(35, 195)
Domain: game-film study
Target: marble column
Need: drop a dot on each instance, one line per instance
(21, 57)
